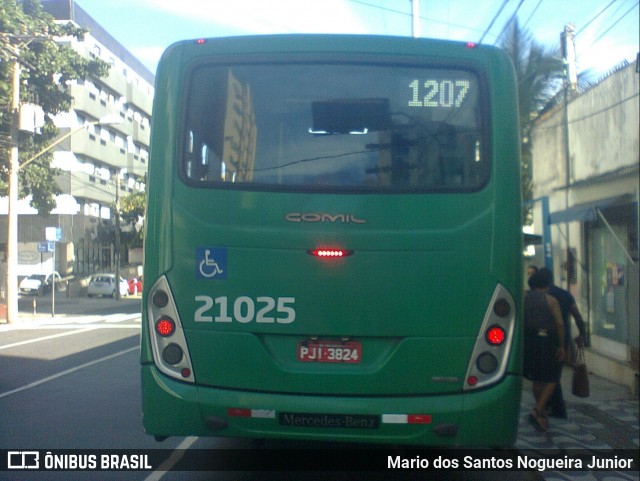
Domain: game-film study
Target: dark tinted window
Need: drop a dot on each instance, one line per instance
(334, 127)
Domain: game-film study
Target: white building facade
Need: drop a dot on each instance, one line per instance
(93, 160)
(585, 175)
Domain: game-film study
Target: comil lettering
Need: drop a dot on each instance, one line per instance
(323, 217)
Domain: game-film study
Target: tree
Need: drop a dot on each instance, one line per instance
(132, 209)
(47, 68)
(538, 72)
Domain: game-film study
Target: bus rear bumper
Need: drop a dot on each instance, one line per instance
(481, 418)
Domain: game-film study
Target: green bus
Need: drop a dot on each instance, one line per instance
(333, 242)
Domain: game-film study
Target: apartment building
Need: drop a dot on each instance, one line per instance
(99, 162)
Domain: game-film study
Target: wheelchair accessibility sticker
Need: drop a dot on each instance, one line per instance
(211, 263)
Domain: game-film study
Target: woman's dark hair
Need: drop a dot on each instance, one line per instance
(539, 281)
(546, 274)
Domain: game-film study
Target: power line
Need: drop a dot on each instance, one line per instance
(380, 7)
(616, 22)
(407, 14)
(532, 14)
(506, 25)
(597, 15)
(493, 21)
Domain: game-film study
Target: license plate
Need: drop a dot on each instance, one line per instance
(330, 351)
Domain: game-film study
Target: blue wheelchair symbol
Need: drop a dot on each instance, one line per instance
(211, 263)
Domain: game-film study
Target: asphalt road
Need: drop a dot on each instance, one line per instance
(73, 382)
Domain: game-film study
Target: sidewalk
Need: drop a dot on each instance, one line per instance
(607, 419)
(70, 309)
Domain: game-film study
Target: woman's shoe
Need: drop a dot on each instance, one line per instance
(537, 421)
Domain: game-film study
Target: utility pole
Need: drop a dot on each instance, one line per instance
(11, 282)
(570, 84)
(12, 212)
(567, 38)
(415, 18)
(117, 235)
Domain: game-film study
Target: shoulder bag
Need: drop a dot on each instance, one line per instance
(580, 382)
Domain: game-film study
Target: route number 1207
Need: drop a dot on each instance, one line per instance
(438, 94)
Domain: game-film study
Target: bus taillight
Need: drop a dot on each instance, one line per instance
(166, 334)
(495, 335)
(165, 326)
(160, 299)
(172, 354)
(490, 355)
(502, 308)
(487, 363)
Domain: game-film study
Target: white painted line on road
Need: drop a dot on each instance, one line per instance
(68, 371)
(46, 338)
(122, 317)
(77, 323)
(172, 460)
(91, 327)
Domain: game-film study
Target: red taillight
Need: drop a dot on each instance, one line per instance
(165, 326)
(495, 335)
(330, 253)
(471, 45)
(200, 41)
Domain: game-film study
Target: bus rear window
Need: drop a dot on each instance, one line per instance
(334, 127)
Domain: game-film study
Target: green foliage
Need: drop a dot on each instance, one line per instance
(132, 210)
(47, 67)
(538, 72)
(132, 207)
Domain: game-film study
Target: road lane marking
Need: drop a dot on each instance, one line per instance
(68, 371)
(69, 320)
(84, 327)
(122, 317)
(171, 461)
(46, 338)
(80, 325)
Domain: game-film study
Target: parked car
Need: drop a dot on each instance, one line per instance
(105, 285)
(135, 285)
(38, 284)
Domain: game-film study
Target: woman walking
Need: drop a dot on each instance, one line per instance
(544, 346)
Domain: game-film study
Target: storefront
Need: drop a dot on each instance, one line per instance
(609, 280)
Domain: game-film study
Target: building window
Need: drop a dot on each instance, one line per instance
(613, 278)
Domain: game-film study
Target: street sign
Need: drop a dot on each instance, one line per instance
(53, 234)
(48, 246)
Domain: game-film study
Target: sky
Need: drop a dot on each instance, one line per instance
(607, 31)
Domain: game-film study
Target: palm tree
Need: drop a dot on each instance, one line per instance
(539, 72)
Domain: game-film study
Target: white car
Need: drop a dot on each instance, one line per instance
(37, 284)
(105, 285)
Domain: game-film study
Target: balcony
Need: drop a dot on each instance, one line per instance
(142, 100)
(141, 134)
(88, 144)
